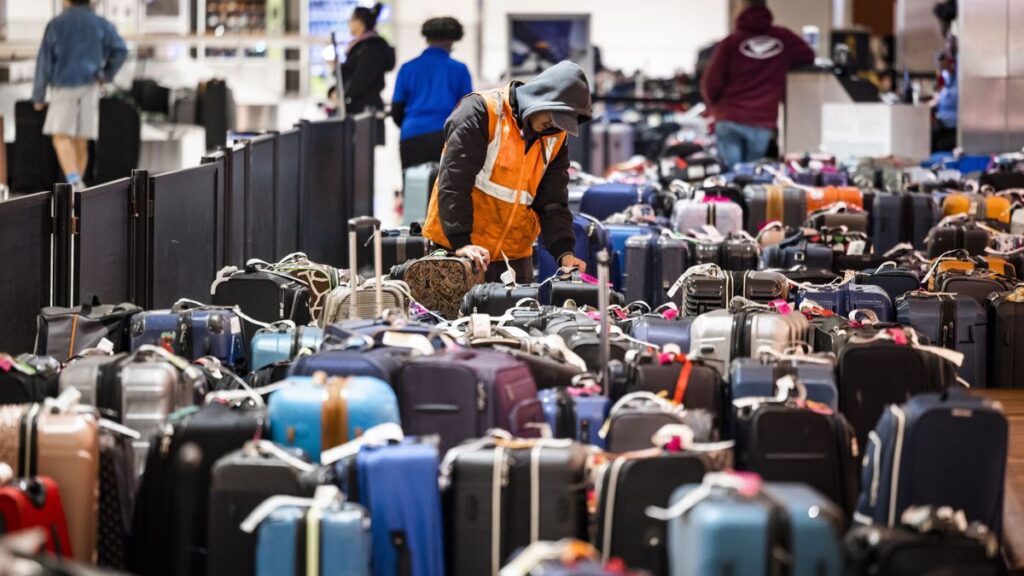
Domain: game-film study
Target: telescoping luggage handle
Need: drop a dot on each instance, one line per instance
(603, 302)
(354, 225)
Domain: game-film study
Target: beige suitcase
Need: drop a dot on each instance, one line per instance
(66, 448)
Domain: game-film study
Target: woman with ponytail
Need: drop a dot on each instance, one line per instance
(369, 58)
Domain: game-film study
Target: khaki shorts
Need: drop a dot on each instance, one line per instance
(73, 111)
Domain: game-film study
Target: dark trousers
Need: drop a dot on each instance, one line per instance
(421, 149)
(523, 268)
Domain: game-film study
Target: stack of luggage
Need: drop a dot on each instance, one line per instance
(763, 378)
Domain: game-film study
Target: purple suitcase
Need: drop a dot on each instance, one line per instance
(462, 394)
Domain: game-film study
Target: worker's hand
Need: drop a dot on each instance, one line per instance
(39, 106)
(477, 254)
(570, 261)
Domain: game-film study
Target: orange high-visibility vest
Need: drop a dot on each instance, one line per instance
(505, 187)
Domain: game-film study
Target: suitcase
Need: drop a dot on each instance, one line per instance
(610, 143)
(331, 538)
(494, 298)
(725, 217)
(603, 200)
(726, 532)
(952, 321)
(28, 378)
(33, 162)
(977, 284)
(503, 495)
(576, 413)
(319, 278)
(139, 390)
(769, 203)
(994, 209)
(64, 447)
(591, 238)
(626, 488)
(65, 332)
(785, 442)
(367, 299)
(935, 546)
(239, 482)
(118, 485)
(618, 234)
(262, 295)
(35, 503)
(637, 416)
(461, 394)
(282, 343)
(894, 281)
(399, 246)
(439, 282)
(659, 331)
(856, 262)
(119, 142)
(802, 253)
(818, 198)
(902, 217)
(720, 336)
(315, 415)
(951, 436)
(398, 483)
(689, 383)
(878, 367)
(801, 275)
(1006, 315)
(855, 221)
(844, 299)
(573, 287)
(192, 332)
(655, 263)
(701, 293)
(417, 186)
(169, 527)
(382, 363)
(693, 167)
(735, 254)
(754, 378)
(943, 239)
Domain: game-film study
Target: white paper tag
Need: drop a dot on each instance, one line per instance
(480, 326)
(105, 346)
(667, 164)
(236, 325)
(417, 342)
(696, 172)
(856, 248)
(712, 233)
(508, 277)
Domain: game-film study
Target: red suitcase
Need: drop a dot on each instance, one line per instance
(35, 503)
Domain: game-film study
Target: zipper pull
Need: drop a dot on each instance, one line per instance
(506, 468)
(481, 397)
(165, 440)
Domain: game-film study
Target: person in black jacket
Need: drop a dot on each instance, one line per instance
(369, 58)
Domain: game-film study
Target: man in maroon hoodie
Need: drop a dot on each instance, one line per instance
(746, 79)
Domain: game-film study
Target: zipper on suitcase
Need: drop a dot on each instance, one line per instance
(481, 397)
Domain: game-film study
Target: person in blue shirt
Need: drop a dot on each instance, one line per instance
(80, 52)
(426, 92)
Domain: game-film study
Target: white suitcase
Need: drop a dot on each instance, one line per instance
(726, 217)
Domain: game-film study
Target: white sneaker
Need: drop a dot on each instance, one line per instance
(78, 186)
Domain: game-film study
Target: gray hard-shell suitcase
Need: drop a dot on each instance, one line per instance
(139, 390)
(502, 495)
(714, 290)
(719, 336)
(418, 181)
(688, 215)
(610, 143)
(368, 299)
(952, 321)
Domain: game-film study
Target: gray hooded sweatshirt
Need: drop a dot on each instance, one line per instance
(561, 88)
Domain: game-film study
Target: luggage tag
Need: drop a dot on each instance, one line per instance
(324, 497)
(379, 435)
(712, 233)
(7, 363)
(508, 277)
(856, 248)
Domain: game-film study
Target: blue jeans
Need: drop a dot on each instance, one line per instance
(741, 143)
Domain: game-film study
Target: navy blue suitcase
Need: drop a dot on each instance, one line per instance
(193, 333)
(946, 449)
(382, 363)
(953, 321)
(578, 415)
(398, 484)
(802, 253)
(752, 378)
(895, 281)
(604, 200)
(284, 546)
(846, 298)
(618, 234)
(902, 217)
(591, 238)
(656, 329)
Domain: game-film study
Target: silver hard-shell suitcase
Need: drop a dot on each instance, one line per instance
(719, 336)
(368, 299)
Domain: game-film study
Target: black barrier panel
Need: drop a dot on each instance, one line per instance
(103, 247)
(364, 143)
(324, 206)
(289, 182)
(234, 205)
(25, 274)
(260, 201)
(219, 158)
(184, 235)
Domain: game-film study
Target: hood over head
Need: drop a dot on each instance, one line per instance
(755, 19)
(562, 90)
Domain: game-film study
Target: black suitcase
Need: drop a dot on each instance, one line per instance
(501, 497)
(119, 143)
(397, 247)
(895, 281)
(628, 485)
(1006, 324)
(572, 287)
(702, 388)
(494, 298)
(33, 162)
(977, 284)
(954, 321)
(262, 295)
(968, 237)
(239, 482)
(902, 217)
(655, 262)
(856, 262)
(801, 275)
(169, 527)
(785, 443)
(740, 254)
(700, 293)
(29, 379)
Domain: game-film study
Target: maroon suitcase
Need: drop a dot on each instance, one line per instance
(461, 394)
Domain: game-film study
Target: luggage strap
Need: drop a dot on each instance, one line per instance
(325, 496)
(683, 381)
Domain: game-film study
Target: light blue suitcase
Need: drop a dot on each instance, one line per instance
(281, 343)
(296, 413)
(727, 533)
(344, 545)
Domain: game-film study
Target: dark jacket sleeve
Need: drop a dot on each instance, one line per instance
(800, 52)
(463, 158)
(713, 83)
(552, 205)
